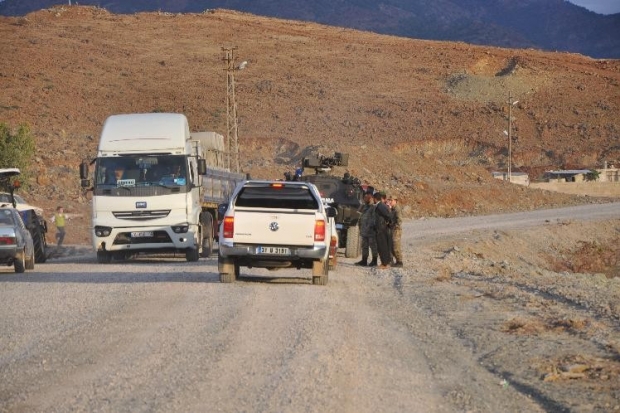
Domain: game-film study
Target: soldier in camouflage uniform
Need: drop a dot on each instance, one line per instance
(367, 231)
(397, 231)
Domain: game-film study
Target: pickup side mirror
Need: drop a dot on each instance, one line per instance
(331, 212)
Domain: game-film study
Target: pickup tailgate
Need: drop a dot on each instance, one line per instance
(274, 228)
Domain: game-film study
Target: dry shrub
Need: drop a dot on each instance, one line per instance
(522, 326)
(590, 257)
(569, 324)
(444, 274)
(604, 371)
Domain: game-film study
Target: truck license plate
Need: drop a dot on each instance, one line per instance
(141, 234)
(273, 250)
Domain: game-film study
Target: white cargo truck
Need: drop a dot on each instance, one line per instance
(148, 192)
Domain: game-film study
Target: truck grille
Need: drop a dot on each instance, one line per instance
(141, 215)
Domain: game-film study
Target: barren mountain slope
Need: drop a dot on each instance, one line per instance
(421, 119)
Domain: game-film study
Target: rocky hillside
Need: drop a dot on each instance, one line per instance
(421, 119)
(555, 25)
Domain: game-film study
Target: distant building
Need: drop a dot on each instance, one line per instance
(520, 178)
(567, 175)
(609, 173)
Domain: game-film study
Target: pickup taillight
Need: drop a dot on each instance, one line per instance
(229, 227)
(319, 230)
(7, 241)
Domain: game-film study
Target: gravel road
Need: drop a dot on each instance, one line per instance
(163, 335)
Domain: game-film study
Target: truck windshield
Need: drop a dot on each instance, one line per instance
(284, 197)
(128, 171)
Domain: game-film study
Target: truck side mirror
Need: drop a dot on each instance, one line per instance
(331, 212)
(202, 167)
(84, 170)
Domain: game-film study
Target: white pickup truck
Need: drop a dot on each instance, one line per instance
(275, 224)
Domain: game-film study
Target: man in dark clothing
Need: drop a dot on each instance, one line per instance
(367, 231)
(397, 231)
(383, 219)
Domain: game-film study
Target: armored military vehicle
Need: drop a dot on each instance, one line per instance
(343, 192)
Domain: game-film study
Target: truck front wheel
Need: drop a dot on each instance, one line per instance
(191, 255)
(104, 257)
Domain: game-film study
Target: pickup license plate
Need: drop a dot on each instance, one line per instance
(273, 250)
(141, 234)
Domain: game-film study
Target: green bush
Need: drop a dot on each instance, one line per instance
(593, 175)
(17, 150)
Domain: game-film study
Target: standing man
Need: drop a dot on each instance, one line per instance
(60, 219)
(383, 219)
(397, 231)
(367, 231)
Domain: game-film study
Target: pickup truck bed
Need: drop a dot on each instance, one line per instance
(275, 224)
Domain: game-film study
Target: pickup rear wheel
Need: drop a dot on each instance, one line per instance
(228, 269)
(320, 272)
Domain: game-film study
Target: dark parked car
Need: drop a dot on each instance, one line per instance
(16, 247)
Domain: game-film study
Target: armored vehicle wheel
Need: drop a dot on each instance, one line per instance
(40, 245)
(353, 248)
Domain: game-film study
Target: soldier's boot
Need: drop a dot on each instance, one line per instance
(373, 263)
(363, 262)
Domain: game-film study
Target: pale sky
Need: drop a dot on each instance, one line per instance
(599, 6)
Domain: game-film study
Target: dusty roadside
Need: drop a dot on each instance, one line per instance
(537, 305)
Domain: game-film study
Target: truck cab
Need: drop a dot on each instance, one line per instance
(147, 187)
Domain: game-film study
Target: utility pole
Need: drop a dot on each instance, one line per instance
(232, 127)
(510, 105)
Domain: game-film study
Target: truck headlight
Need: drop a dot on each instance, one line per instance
(180, 229)
(103, 231)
